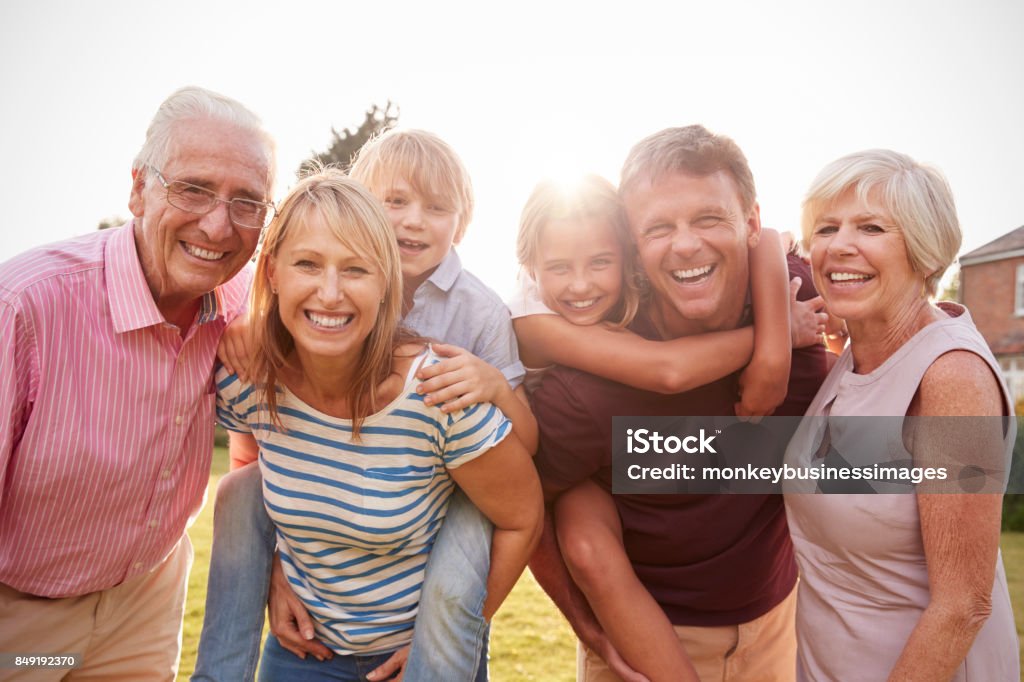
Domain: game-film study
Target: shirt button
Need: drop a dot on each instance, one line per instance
(177, 420)
(152, 523)
(165, 474)
(138, 565)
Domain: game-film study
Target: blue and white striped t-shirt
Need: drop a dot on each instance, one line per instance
(356, 520)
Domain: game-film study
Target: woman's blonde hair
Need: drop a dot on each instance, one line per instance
(916, 196)
(357, 220)
(591, 197)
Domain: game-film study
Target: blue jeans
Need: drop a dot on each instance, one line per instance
(236, 590)
(281, 665)
(449, 643)
(450, 636)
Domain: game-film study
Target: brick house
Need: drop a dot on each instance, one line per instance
(992, 287)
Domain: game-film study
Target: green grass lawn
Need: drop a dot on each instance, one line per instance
(530, 640)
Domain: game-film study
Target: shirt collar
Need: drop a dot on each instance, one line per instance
(447, 272)
(131, 302)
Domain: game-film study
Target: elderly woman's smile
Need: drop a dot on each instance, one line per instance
(910, 581)
(860, 261)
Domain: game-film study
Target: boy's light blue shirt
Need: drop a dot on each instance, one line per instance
(455, 307)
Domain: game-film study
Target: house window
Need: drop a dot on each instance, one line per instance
(1018, 299)
(1013, 372)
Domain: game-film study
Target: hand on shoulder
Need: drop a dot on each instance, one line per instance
(405, 355)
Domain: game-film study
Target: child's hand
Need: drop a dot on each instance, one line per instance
(762, 389)
(233, 349)
(595, 639)
(806, 318)
(289, 620)
(461, 380)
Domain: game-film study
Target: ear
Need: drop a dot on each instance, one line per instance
(754, 225)
(272, 272)
(136, 202)
(460, 231)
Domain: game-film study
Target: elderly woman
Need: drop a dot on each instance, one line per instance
(901, 586)
(357, 469)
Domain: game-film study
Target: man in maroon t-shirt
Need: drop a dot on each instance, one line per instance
(720, 566)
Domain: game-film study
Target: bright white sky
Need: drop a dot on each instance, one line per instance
(520, 90)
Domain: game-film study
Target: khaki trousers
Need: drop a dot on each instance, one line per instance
(762, 650)
(129, 633)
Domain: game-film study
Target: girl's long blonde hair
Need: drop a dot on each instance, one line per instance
(591, 197)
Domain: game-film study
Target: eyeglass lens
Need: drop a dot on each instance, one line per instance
(200, 200)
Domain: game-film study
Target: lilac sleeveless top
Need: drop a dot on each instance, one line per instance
(863, 574)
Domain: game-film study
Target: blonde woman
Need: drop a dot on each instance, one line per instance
(357, 469)
(899, 586)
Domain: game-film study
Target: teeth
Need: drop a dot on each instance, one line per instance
(691, 273)
(329, 321)
(583, 304)
(205, 254)
(847, 276)
(411, 245)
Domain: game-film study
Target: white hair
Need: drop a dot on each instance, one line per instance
(190, 103)
(915, 195)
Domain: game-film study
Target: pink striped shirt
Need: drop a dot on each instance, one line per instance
(106, 415)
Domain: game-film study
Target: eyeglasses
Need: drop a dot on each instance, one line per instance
(248, 213)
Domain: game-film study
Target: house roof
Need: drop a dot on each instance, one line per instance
(1009, 245)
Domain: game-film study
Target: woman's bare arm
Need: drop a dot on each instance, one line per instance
(960, 531)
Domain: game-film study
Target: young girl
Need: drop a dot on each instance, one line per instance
(579, 290)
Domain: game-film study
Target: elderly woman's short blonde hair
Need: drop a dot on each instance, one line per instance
(916, 196)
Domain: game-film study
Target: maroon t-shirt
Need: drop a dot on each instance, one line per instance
(707, 559)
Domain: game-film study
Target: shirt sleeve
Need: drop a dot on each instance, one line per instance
(497, 347)
(526, 299)
(235, 402)
(572, 447)
(472, 432)
(16, 357)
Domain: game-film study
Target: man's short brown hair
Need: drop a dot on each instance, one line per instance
(693, 149)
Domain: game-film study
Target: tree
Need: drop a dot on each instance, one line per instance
(344, 145)
(111, 221)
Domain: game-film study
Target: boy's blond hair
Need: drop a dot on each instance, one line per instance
(591, 197)
(423, 160)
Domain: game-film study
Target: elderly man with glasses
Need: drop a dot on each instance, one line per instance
(107, 344)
